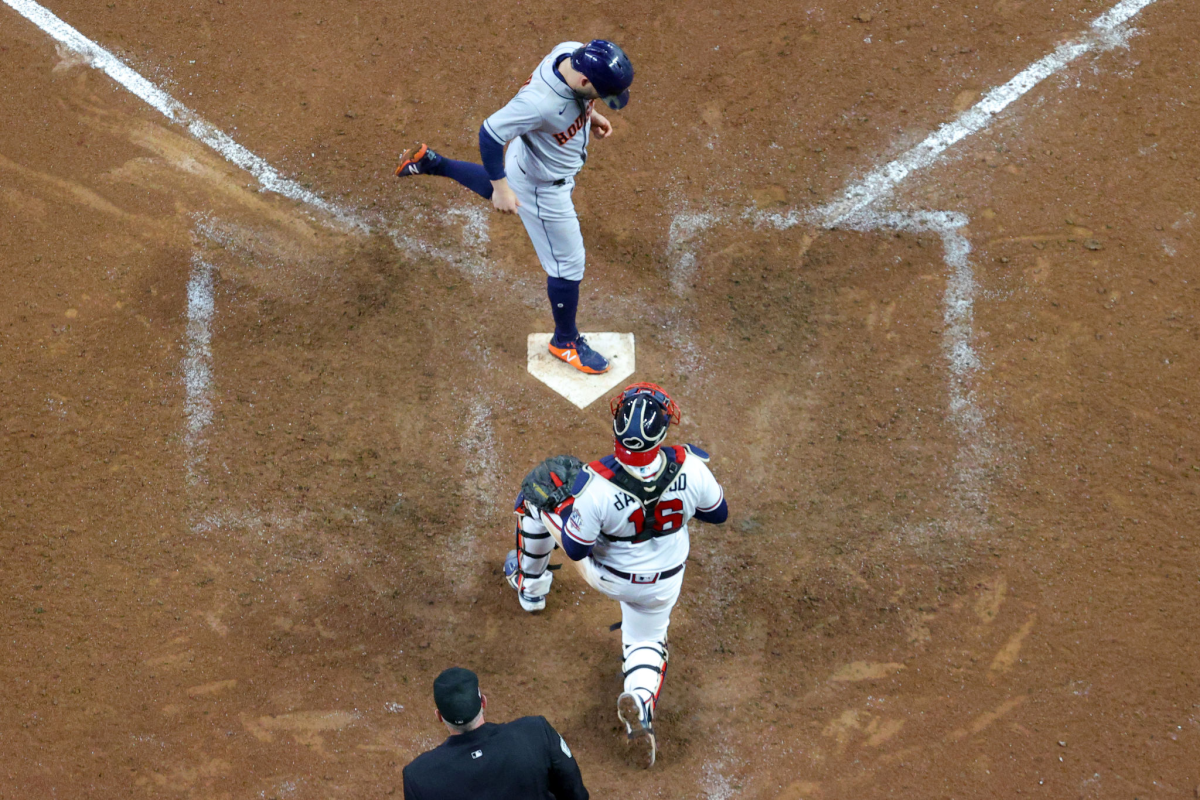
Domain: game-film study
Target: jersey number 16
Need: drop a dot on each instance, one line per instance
(668, 517)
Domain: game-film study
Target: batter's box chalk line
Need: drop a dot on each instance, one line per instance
(577, 387)
(197, 367)
(862, 206)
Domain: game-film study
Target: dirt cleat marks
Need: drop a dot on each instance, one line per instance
(1007, 657)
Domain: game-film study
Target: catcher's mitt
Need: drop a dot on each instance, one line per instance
(548, 485)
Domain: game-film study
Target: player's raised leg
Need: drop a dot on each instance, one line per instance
(420, 159)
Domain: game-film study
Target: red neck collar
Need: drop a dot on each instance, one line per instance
(635, 459)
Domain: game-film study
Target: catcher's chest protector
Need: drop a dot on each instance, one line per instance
(648, 493)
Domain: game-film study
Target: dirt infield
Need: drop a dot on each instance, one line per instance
(257, 468)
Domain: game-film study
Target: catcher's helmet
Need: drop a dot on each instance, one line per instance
(608, 68)
(642, 413)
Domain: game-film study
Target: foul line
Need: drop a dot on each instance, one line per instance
(177, 112)
(882, 182)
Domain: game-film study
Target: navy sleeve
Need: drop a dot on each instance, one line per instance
(716, 516)
(492, 153)
(565, 780)
(574, 550)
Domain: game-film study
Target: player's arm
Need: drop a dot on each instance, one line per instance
(710, 497)
(576, 542)
(492, 151)
(581, 521)
(564, 780)
(715, 515)
(520, 116)
(554, 524)
(567, 531)
(600, 125)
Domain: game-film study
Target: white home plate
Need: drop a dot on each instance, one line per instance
(580, 388)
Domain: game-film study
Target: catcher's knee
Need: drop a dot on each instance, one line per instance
(533, 543)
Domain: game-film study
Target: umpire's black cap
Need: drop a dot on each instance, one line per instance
(456, 693)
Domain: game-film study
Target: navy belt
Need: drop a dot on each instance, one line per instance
(638, 577)
(559, 182)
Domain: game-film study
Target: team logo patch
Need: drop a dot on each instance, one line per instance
(477, 754)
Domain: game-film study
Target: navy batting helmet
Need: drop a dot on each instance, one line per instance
(642, 413)
(608, 68)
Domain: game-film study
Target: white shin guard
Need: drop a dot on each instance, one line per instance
(644, 668)
(533, 558)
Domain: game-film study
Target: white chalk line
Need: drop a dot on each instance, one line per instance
(860, 207)
(470, 257)
(197, 367)
(198, 358)
(879, 184)
(681, 265)
(479, 450)
(224, 145)
(475, 222)
(966, 415)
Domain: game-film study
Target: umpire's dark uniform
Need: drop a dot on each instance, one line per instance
(524, 759)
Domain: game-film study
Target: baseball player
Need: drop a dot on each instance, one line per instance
(625, 526)
(546, 126)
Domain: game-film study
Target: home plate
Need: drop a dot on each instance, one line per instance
(578, 387)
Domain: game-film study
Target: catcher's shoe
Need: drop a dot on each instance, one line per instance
(639, 733)
(512, 573)
(579, 355)
(417, 160)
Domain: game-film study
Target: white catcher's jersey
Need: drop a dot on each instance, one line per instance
(550, 121)
(601, 507)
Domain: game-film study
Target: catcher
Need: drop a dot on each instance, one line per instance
(623, 521)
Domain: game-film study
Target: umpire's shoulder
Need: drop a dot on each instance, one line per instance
(423, 764)
(528, 723)
(531, 728)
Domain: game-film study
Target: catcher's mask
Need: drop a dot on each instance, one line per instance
(642, 413)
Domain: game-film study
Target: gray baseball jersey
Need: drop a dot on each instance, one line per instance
(550, 121)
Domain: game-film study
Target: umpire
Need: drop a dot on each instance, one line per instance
(524, 759)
